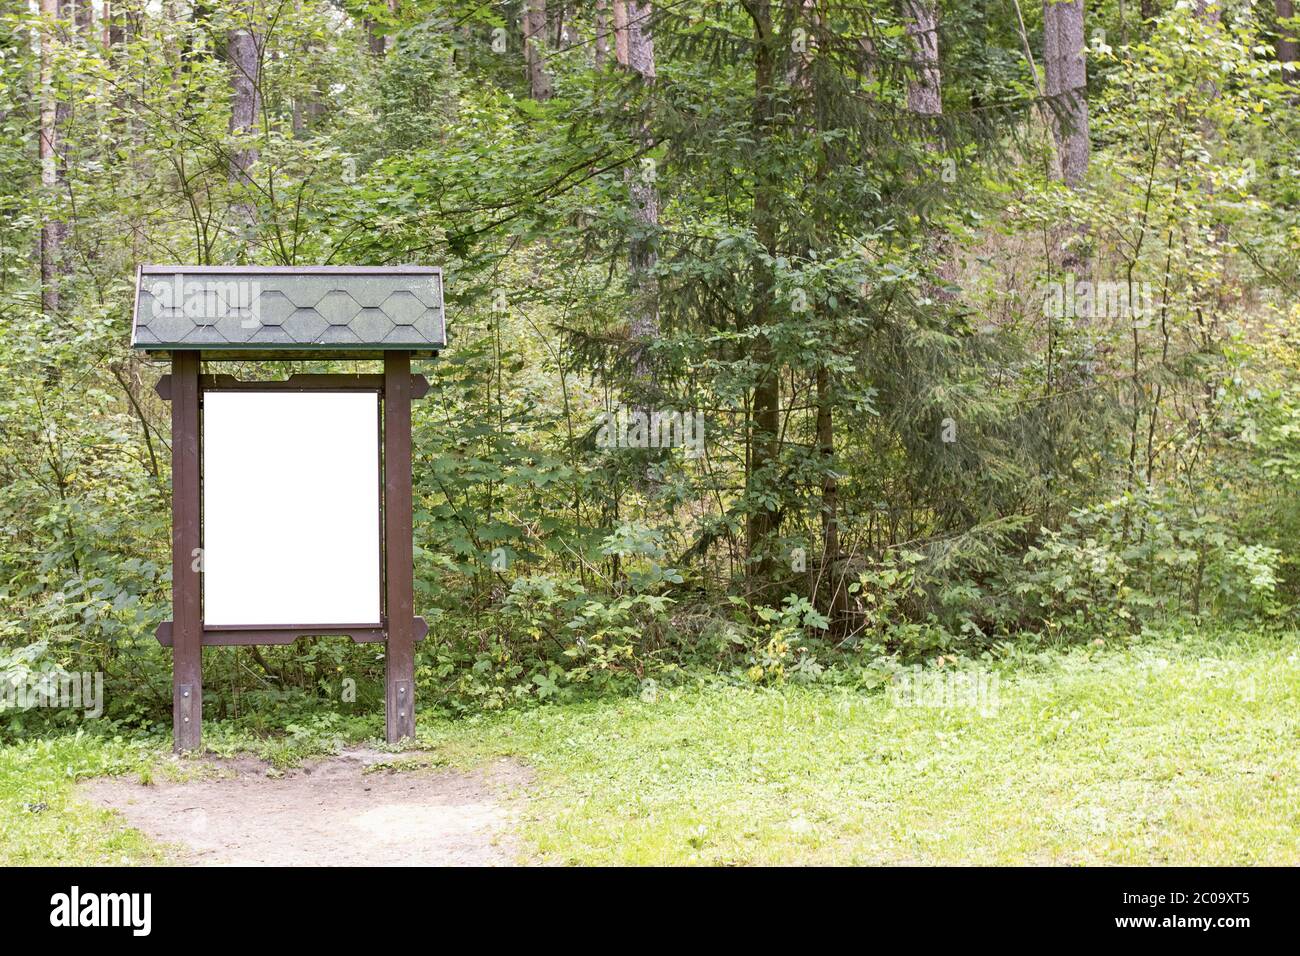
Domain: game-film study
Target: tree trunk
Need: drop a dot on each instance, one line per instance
(1208, 12)
(83, 17)
(378, 40)
(53, 118)
(640, 44)
(925, 98)
(602, 32)
(534, 33)
(923, 88)
(643, 189)
(1288, 40)
(803, 78)
(310, 108)
(766, 410)
(1054, 157)
(109, 34)
(1067, 81)
(839, 600)
(244, 54)
(620, 31)
(557, 27)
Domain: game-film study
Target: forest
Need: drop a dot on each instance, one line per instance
(792, 344)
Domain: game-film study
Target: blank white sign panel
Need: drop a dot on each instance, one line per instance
(290, 508)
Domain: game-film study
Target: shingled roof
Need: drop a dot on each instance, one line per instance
(289, 311)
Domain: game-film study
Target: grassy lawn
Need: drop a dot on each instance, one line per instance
(1182, 750)
(42, 823)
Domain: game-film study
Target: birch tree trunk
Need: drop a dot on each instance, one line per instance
(1066, 85)
(107, 35)
(53, 117)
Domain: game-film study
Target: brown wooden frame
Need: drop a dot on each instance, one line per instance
(400, 628)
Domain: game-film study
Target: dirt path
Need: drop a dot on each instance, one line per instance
(355, 809)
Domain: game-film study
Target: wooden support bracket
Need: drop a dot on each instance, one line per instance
(243, 636)
(294, 383)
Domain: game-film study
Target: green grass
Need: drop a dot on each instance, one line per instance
(1176, 752)
(1180, 751)
(42, 823)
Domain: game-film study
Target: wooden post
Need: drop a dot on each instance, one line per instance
(187, 615)
(399, 584)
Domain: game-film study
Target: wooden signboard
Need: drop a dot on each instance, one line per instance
(291, 499)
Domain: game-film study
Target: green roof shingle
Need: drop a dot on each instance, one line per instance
(275, 312)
